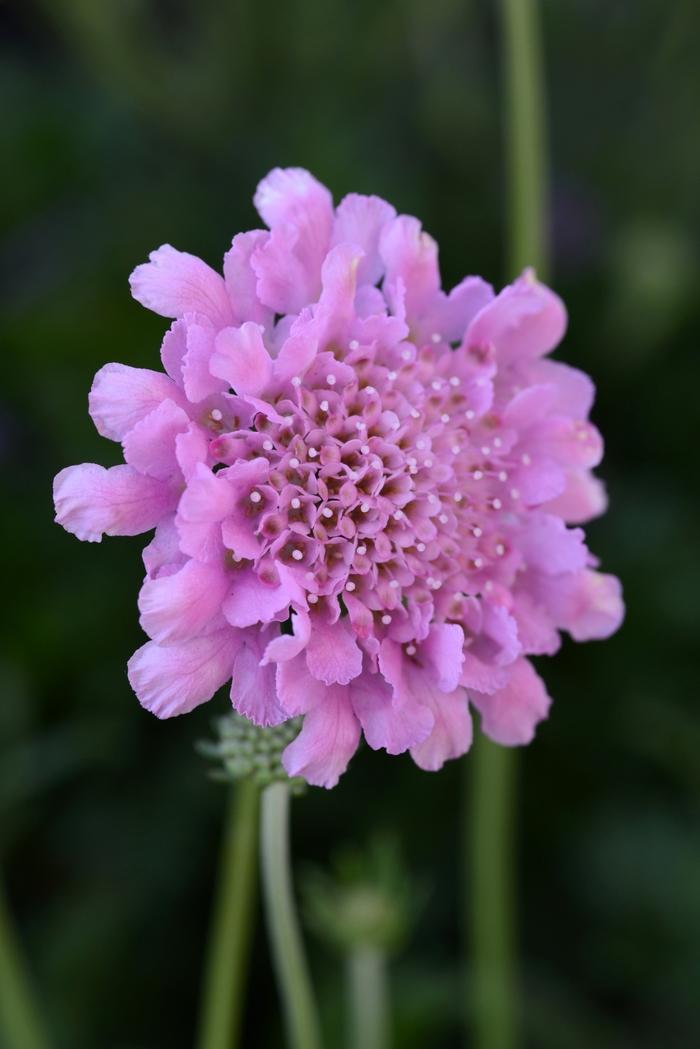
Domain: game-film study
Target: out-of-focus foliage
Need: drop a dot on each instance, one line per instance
(129, 124)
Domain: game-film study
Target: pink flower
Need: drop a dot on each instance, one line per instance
(362, 487)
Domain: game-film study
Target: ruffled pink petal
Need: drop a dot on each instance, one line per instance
(442, 654)
(451, 735)
(182, 605)
(122, 396)
(91, 501)
(207, 497)
(175, 679)
(241, 359)
(287, 646)
(191, 449)
(575, 389)
(174, 283)
(150, 446)
(360, 220)
(410, 256)
(588, 605)
(583, 498)
(297, 690)
(241, 280)
(163, 551)
(173, 348)
(389, 722)
(251, 600)
(328, 739)
(295, 356)
(299, 211)
(511, 715)
(536, 630)
(525, 320)
(198, 380)
(253, 689)
(332, 654)
(548, 545)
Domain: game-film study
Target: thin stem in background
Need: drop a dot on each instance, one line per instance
(285, 937)
(20, 1025)
(368, 999)
(225, 972)
(492, 898)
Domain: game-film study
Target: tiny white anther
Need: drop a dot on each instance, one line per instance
(500, 549)
(323, 406)
(420, 547)
(444, 418)
(486, 450)
(294, 462)
(502, 475)
(458, 497)
(327, 512)
(478, 562)
(456, 449)
(410, 650)
(370, 389)
(364, 448)
(477, 475)
(432, 499)
(295, 503)
(398, 515)
(386, 620)
(497, 442)
(496, 504)
(421, 443)
(350, 585)
(406, 355)
(216, 415)
(297, 555)
(394, 584)
(443, 518)
(525, 459)
(255, 497)
(362, 550)
(428, 463)
(313, 452)
(514, 493)
(354, 344)
(296, 381)
(365, 508)
(454, 380)
(470, 414)
(312, 599)
(330, 379)
(394, 425)
(476, 532)
(360, 425)
(415, 414)
(436, 384)
(391, 376)
(488, 586)
(268, 446)
(436, 337)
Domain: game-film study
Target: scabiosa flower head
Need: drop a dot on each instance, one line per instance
(361, 486)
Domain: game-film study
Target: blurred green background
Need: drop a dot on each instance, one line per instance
(127, 124)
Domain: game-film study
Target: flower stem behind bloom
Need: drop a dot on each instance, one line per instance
(285, 938)
(492, 898)
(368, 998)
(20, 1027)
(229, 943)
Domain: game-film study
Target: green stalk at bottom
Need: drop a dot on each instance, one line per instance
(20, 1025)
(285, 937)
(231, 924)
(368, 999)
(493, 984)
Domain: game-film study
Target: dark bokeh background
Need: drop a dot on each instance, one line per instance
(125, 125)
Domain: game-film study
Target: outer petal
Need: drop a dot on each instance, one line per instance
(150, 447)
(510, 715)
(197, 379)
(298, 691)
(588, 604)
(332, 654)
(252, 601)
(91, 501)
(176, 679)
(241, 359)
(327, 741)
(360, 220)
(253, 689)
(410, 256)
(583, 499)
(442, 654)
(174, 283)
(241, 280)
(122, 396)
(525, 320)
(550, 546)
(451, 735)
(182, 605)
(390, 723)
(287, 646)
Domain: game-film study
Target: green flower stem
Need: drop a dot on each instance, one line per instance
(283, 926)
(492, 896)
(20, 1026)
(494, 990)
(231, 924)
(368, 999)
